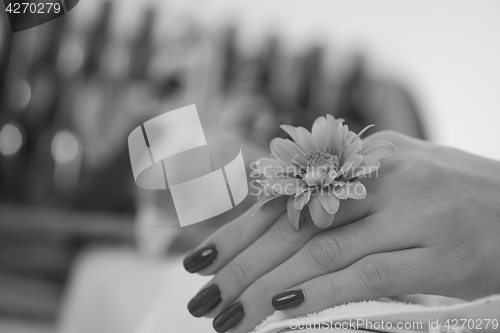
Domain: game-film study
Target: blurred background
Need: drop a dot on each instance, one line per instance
(71, 91)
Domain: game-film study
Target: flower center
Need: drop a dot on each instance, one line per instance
(318, 166)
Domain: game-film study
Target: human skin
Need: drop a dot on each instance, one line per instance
(429, 224)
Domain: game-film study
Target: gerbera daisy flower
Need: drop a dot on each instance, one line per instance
(319, 169)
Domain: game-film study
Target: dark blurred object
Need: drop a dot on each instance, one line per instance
(15, 97)
(142, 46)
(363, 101)
(108, 189)
(265, 66)
(42, 163)
(109, 185)
(97, 38)
(46, 115)
(347, 107)
(229, 57)
(309, 80)
(37, 247)
(5, 53)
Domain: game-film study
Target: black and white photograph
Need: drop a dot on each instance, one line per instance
(266, 166)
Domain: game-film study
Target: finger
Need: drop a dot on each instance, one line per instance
(325, 253)
(226, 243)
(337, 249)
(374, 276)
(278, 244)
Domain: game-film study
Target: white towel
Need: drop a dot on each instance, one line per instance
(466, 316)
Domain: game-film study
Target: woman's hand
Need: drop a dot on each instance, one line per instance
(429, 224)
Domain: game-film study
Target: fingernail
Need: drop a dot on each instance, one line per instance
(200, 259)
(229, 318)
(288, 299)
(204, 301)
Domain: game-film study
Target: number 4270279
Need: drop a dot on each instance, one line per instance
(33, 8)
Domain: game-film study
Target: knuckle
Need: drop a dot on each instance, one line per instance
(377, 276)
(420, 166)
(419, 173)
(285, 234)
(238, 272)
(410, 163)
(332, 286)
(325, 251)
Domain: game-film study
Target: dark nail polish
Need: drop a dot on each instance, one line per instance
(200, 259)
(229, 318)
(288, 299)
(205, 301)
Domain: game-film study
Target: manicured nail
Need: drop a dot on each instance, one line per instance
(205, 301)
(229, 318)
(200, 259)
(288, 299)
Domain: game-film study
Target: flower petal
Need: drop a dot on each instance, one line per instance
(379, 149)
(347, 135)
(341, 192)
(329, 201)
(331, 127)
(356, 190)
(351, 149)
(343, 138)
(330, 177)
(293, 214)
(302, 137)
(319, 215)
(338, 183)
(345, 168)
(285, 150)
(336, 135)
(356, 159)
(300, 160)
(319, 133)
(319, 124)
(370, 164)
(301, 200)
(350, 164)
